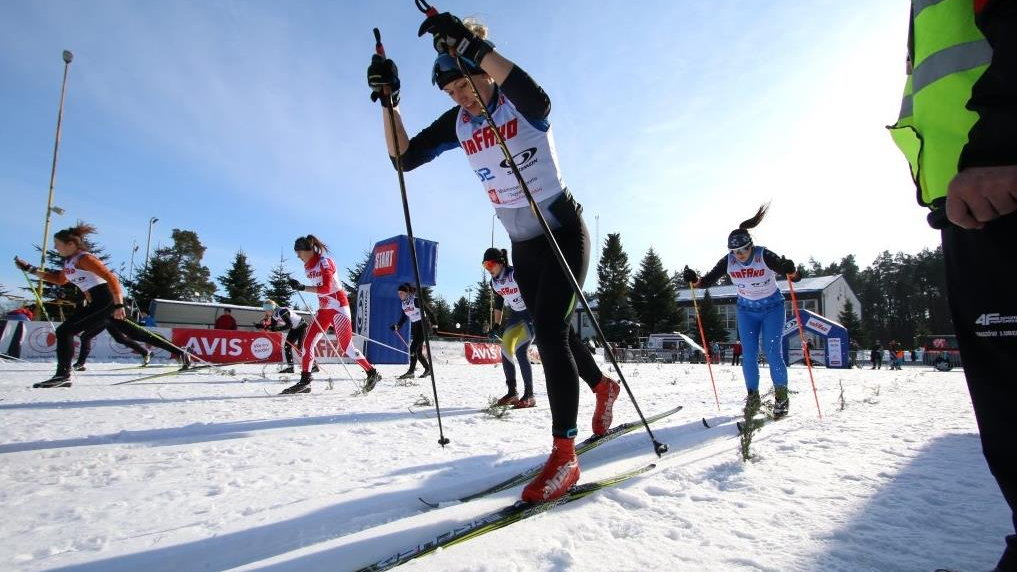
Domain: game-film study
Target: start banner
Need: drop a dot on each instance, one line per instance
(224, 346)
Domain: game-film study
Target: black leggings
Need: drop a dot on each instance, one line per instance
(416, 346)
(114, 327)
(550, 300)
(128, 334)
(294, 338)
(87, 318)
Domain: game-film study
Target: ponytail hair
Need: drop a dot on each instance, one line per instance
(407, 287)
(75, 234)
(310, 242)
(755, 220)
(740, 237)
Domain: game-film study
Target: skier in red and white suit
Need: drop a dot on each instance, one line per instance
(333, 310)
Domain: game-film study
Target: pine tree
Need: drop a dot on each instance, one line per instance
(613, 308)
(161, 278)
(713, 324)
(241, 287)
(278, 289)
(442, 313)
(851, 321)
(653, 296)
(480, 309)
(460, 314)
(196, 279)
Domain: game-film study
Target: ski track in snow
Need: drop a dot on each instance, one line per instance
(205, 472)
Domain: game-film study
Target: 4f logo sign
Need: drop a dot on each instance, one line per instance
(385, 258)
(994, 318)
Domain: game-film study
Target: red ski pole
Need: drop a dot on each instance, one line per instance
(805, 349)
(706, 350)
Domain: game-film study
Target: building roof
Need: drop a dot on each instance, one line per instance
(805, 286)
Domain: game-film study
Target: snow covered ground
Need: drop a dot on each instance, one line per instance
(211, 472)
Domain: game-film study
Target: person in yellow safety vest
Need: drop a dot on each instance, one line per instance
(958, 130)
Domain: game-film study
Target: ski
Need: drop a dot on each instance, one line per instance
(193, 368)
(500, 519)
(590, 443)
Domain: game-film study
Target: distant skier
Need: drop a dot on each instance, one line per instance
(760, 307)
(99, 286)
(876, 355)
(420, 316)
(333, 310)
(284, 319)
(517, 332)
(520, 108)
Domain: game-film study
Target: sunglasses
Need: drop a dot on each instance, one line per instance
(489, 264)
(743, 250)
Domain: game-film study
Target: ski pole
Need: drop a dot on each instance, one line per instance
(379, 50)
(454, 335)
(38, 299)
(401, 339)
(805, 350)
(706, 350)
(324, 334)
(658, 447)
(367, 339)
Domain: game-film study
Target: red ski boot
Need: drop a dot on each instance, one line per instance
(607, 391)
(559, 474)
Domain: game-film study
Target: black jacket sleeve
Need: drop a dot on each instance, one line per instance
(712, 276)
(402, 320)
(778, 264)
(432, 141)
(993, 139)
(528, 97)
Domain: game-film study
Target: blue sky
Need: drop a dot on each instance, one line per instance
(250, 123)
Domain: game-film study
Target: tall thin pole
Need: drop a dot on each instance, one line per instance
(148, 245)
(68, 58)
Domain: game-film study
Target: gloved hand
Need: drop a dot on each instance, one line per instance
(296, 285)
(382, 76)
(787, 266)
(495, 333)
(450, 34)
(393, 327)
(689, 275)
(24, 266)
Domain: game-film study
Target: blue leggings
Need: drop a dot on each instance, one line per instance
(768, 321)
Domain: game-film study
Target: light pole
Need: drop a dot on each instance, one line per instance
(469, 303)
(148, 245)
(130, 275)
(68, 58)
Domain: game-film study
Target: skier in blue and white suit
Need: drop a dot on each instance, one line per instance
(760, 307)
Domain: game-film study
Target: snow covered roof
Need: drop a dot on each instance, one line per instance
(805, 286)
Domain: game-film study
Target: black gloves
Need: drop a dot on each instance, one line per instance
(450, 34)
(787, 266)
(296, 285)
(689, 275)
(393, 327)
(24, 266)
(383, 73)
